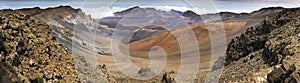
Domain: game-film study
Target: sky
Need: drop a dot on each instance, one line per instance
(103, 8)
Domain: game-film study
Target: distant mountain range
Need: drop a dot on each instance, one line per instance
(234, 25)
(130, 20)
(141, 17)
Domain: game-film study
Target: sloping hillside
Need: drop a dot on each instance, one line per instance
(268, 52)
(29, 52)
(73, 28)
(169, 42)
(233, 25)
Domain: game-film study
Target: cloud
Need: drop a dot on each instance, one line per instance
(102, 11)
(4, 7)
(263, 1)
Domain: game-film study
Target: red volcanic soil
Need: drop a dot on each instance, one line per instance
(168, 40)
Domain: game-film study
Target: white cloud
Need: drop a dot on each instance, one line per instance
(102, 11)
(4, 7)
(279, 1)
(203, 10)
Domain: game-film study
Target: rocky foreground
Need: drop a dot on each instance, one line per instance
(29, 52)
(269, 52)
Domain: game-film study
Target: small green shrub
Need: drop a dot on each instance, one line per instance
(75, 72)
(70, 62)
(8, 64)
(27, 30)
(41, 40)
(5, 46)
(40, 60)
(32, 35)
(277, 80)
(39, 79)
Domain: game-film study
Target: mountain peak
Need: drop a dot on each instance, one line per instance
(124, 12)
(135, 7)
(132, 8)
(176, 11)
(137, 11)
(190, 13)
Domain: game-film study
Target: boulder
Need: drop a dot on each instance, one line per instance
(288, 65)
(296, 76)
(144, 72)
(276, 75)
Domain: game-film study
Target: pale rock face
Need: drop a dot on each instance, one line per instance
(31, 62)
(261, 79)
(70, 19)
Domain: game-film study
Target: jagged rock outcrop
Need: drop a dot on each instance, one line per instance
(268, 52)
(255, 38)
(76, 30)
(29, 51)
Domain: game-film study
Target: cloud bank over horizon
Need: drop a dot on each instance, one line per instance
(106, 12)
(103, 8)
